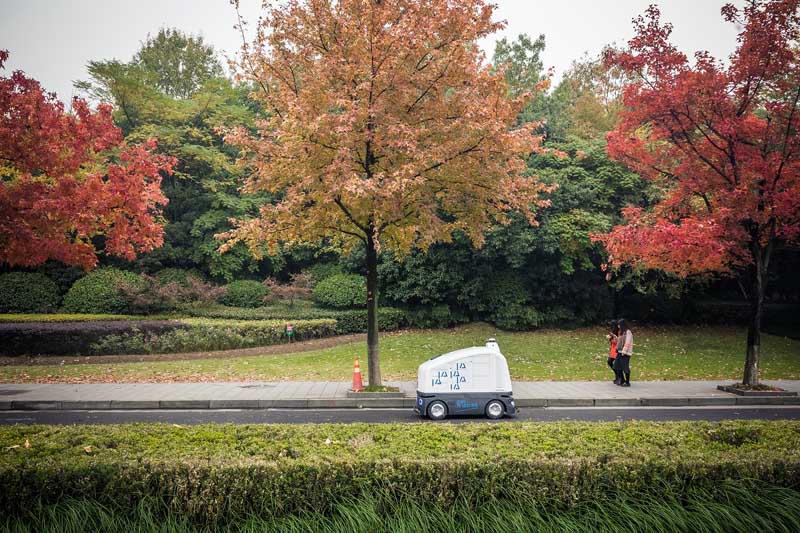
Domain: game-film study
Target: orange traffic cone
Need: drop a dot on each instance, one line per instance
(358, 386)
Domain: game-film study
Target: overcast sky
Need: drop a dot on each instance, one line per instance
(52, 40)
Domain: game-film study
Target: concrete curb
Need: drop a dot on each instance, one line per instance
(381, 403)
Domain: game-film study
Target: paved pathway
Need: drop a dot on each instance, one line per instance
(308, 394)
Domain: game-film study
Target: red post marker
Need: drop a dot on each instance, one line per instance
(358, 386)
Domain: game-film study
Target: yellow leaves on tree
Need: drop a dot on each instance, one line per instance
(387, 127)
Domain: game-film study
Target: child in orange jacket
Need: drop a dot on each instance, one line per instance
(612, 352)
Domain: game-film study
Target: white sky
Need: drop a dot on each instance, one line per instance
(52, 40)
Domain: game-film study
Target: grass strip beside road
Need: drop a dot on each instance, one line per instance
(323, 443)
(731, 506)
(218, 475)
(661, 353)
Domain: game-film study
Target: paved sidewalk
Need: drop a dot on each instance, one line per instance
(307, 394)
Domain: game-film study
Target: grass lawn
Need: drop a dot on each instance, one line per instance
(661, 353)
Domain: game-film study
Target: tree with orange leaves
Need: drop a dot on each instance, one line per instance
(388, 129)
(722, 143)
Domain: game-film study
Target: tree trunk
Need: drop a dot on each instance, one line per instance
(373, 364)
(756, 300)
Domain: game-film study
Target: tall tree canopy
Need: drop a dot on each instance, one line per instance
(180, 64)
(67, 178)
(387, 129)
(722, 143)
(203, 190)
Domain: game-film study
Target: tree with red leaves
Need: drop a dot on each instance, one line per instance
(66, 178)
(722, 143)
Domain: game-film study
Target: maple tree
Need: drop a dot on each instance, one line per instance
(387, 130)
(721, 142)
(69, 177)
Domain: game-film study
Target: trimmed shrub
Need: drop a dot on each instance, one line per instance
(62, 317)
(516, 317)
(436, 316)
(180, 276)
(244, 293)
(99, 292)
(341, 291)
(213, 474)
(62, 275)
(268, 312)
(205, 334)
(72, 338)
(347, 320)
(148, 295)
(152, 336)
(355, 320)
(27, 292)
(320, 271)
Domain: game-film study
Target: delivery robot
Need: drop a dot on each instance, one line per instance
(472, 381)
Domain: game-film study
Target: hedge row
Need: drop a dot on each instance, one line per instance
(72, 317)
(214, 474)
(207, 334)
(72, 338)
(348, 321)
(28, 292)
(151, 336)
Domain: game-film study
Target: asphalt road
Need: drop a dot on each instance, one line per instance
(300, 416)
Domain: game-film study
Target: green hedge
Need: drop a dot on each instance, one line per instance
(209, 334)
(73, 338)
(77, 317)
(244, 293)
(341, 291)
(114, 337)
(347, 321)
(98, 292)
(176, 275)
(213, 474)
(27, 292)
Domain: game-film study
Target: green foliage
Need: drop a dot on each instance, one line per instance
(179, 63)
(347, 320)
(208, 334)
(175, 275)
(62, 317)
(63, 275)
(99, 292)
(324, 270)
(72, 338)
(244, 293)
(341, 291)
(524, 70)
(212, 474)
(355, 320)
(26, 292)
(436, 316)
(173, 90)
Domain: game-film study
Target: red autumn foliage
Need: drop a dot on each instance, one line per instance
(722, 143)
(69, 177)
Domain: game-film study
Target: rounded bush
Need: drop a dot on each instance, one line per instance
(341, 291)
(245, 293)
(180, 276)
(27, 292)
(99, 292)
